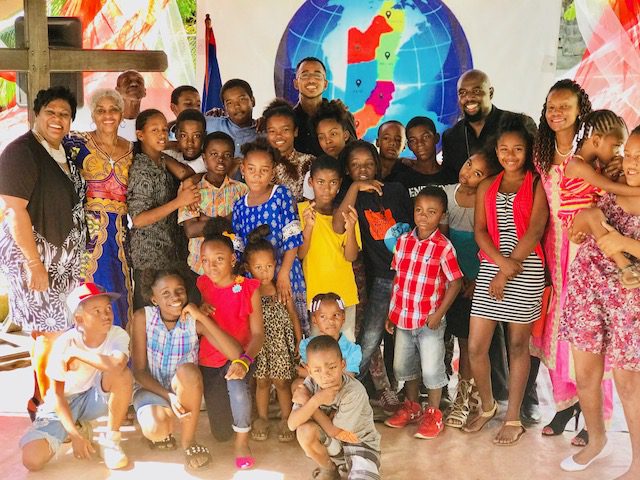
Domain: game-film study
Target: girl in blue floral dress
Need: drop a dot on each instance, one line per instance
(272, 205)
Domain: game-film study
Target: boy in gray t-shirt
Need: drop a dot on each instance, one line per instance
(332, 416)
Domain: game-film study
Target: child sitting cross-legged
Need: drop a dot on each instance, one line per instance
(427, 282)
(88, 368)
(332, 417)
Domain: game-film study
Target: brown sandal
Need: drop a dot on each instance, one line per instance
(284, 434)
(476, 423)
(514, 440)
(260, 430)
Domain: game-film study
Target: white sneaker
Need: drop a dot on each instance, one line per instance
(111, 451)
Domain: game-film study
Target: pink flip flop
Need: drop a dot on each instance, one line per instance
(245, 463)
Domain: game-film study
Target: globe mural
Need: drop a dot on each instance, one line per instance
(385, 59)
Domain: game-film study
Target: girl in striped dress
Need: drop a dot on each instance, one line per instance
(598, 142)
(164, 352)
(510, 216)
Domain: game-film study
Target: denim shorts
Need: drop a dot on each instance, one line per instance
(84, 406)
(144, 398)
(421, 350)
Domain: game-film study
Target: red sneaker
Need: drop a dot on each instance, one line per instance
(431, 425)
(409, 412)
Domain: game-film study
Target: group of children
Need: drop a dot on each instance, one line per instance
(276, 244)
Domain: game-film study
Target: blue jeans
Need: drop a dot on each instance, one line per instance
(421, 349)
(375, 317)
(221, 395)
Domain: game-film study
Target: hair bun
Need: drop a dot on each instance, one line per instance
(216, 227)
(258, 234)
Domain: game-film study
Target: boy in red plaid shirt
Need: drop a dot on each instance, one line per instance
(427, 282)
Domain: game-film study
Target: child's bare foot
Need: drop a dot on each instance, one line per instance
(630, 276)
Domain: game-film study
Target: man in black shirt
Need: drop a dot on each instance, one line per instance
(479, 122)
(311, 82)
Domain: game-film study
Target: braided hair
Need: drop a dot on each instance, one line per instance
(603, 122)
(544, 147)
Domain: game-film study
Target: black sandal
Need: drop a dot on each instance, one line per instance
(581, 439)
(193, 456)
(168, 443)
(560, 420)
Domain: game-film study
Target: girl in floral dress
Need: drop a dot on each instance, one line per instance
(272, 205)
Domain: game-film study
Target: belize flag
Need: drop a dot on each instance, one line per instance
(212, 81)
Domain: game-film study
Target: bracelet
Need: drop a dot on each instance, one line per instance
(33, 261)
(247, 358)
(241, 362)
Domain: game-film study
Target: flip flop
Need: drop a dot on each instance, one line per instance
(482, 419)
(516, 439)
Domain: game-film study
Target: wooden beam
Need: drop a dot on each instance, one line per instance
(63, 59)
(14, 59)
(37, 35)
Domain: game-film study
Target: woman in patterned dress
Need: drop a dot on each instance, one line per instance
(43, 234)
(601, 318)
(566, 104)
(104, 159)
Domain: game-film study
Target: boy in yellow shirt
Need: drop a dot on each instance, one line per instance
(326, 255)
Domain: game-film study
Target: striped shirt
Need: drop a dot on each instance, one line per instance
(214, 202)
(166, 349)
(575, 195)
(424, 268)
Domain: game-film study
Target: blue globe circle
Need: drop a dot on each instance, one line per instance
(385, 59)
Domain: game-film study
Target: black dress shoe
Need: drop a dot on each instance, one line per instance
(530, 414)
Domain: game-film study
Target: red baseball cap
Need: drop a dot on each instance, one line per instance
(85, 291)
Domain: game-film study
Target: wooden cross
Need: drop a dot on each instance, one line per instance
(39, 59)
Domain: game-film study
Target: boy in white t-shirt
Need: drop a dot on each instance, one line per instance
(90, 379)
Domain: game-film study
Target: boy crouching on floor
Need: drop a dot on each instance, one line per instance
(333, 418)
(90, 379)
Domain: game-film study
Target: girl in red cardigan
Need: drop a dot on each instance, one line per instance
(510, 217)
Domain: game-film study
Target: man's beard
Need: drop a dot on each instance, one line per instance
(479, 115)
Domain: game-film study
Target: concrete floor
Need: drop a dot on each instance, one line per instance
(454, 455)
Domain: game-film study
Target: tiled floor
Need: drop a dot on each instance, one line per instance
(454, 455)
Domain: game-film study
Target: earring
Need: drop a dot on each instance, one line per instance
(93, 125)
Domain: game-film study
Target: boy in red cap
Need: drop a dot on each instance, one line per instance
(88, 368)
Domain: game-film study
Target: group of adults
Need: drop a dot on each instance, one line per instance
(62, 225)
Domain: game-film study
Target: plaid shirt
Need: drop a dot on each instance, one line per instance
(166, 349)
(423, 270)
(214, 202)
